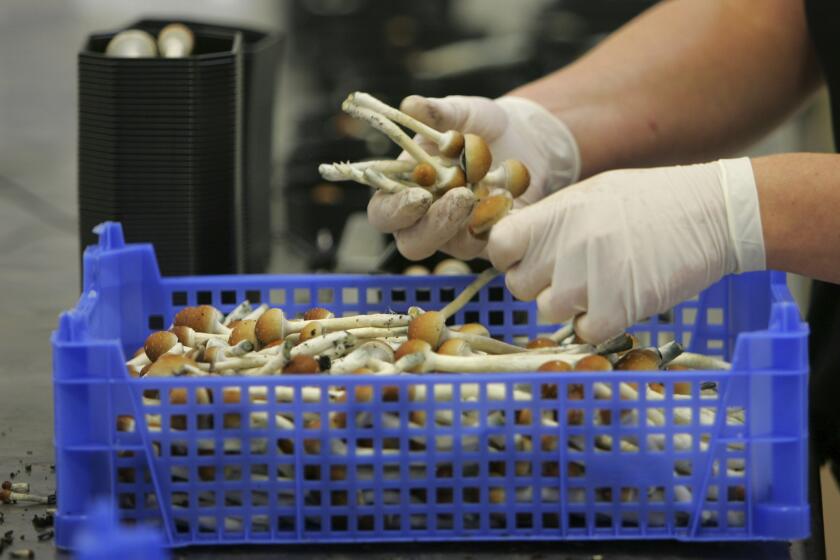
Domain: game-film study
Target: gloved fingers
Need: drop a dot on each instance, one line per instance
(478, 115)
(509, 239)
(464, 246)
(528, 278)
(391, 212)
(599, 326)
(440, 223)
(557, 307)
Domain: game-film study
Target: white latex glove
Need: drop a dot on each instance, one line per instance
(514, 128)
(624, 245)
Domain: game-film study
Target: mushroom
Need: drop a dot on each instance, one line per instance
(192, 339)
(175, 41)
(476, 364)
(563, 333)
(540, 342)
(487, 213)
(138, 361)
(173, 365)
(472, 328)
(446, 177)
(256, 313)
(330, 343)
(317, 314)
(416, 270)
(452, 267)
(450, 144)
(511, 175)
(359, 358)
(431, 327)
(643, 359)
(366, 176)
(9, 497)
(273, 325)
(237, 313)
(244, 331)
(15, 486)
(310, 330)
(202, 318)
(132, 43)
(690, 360)
(301, 364)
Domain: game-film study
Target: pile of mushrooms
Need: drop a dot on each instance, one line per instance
(464, 160)
(263, 341)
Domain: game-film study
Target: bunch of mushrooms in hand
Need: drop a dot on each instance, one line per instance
(464, 162)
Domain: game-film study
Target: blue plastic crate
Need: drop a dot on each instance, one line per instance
(427, 481)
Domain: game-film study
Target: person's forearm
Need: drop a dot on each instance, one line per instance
(799, 200)
(689, 80)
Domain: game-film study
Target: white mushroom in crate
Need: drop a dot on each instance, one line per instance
(202, 318)
(175, 41)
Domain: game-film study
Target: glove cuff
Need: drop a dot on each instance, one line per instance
(552, 137)
(742, 213)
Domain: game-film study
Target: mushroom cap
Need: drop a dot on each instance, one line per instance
(476, 159)
(594, 362)
(474, 328)
(302, 364)
(424, 175)
(412, 346)
(452, 267)
(168, 365)
(429, 327)
(317, 313)
(274, 343)
(310, 330)
(639, 359)
(177, 31)
(270, 326)
(555, 365)
(201, 318)
(540, 342)
(488, 212)
(416, 270)
(244, 330)
(455, 347)
(158, 343)
(380, 347)
(452, 145)
(517, 177)
(185, 334)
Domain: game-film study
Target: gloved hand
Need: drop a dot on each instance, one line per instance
(514, 128)
(624, 245)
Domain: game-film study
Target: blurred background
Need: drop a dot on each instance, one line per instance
(50, 192)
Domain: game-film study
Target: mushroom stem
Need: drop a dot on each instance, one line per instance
(450, 143)
(447, 177)
(563, 332)
(360, 357)
(237, 313)
(467, 293)
(698, 361)
(511, 175)
(339, 341)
